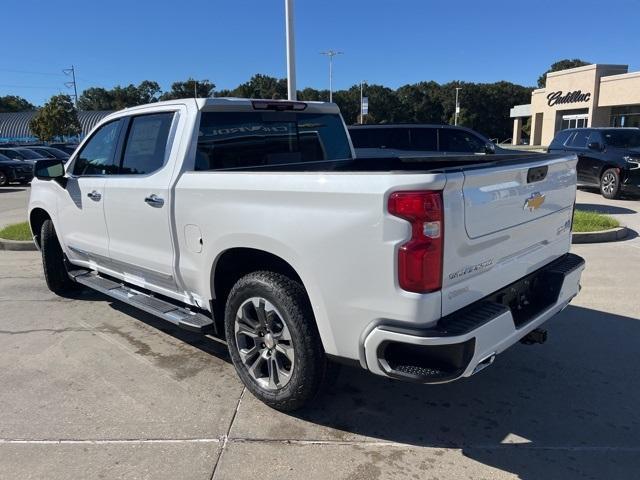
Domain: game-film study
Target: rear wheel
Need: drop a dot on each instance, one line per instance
(3, 179)
(610, 183)
(273, 340)
(53, 261)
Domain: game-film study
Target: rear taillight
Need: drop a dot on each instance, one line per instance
(420, 259)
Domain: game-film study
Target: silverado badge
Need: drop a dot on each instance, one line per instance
(534, 202)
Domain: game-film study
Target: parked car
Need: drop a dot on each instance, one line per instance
(608, 158)
(65, 147)
(14, 171)
(253, 220)
(50, 152)
(407, 140)
(21, 153)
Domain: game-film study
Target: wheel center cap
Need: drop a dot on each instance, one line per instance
(269, 341)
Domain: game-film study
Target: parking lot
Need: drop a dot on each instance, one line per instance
(91, 388)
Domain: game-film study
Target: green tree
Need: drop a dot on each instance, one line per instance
(262, 86)
(58, 118)
(189, 88)
(97, 98)
(420, 103)
(560, 65)
(13, 103)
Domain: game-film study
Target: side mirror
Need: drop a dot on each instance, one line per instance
(48, 169)
(489, 147)
(595, 146)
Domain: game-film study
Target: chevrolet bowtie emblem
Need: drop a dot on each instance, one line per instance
(534, 202)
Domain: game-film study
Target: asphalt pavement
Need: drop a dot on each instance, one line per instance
(91, 388)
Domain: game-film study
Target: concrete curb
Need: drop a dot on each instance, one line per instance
(20, 246)
(600, 236)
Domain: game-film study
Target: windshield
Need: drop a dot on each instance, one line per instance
(29, 154)
(622, 138)
(253, 139)
(12, 154)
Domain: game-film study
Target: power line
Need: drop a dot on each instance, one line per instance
(30, 72)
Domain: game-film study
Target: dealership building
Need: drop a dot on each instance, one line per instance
(591, 96)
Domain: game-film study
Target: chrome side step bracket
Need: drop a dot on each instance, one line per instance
(182, 317)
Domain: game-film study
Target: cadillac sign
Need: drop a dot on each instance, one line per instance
(557, 98)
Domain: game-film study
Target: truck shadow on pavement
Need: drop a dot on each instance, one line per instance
(567, 409)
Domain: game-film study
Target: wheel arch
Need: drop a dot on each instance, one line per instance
(234, 263)
(37, 216)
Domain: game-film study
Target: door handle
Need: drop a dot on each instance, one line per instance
(154, 201)
(94, 195)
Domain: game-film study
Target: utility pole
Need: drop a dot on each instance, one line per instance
(291, 51)
(71, 71)
(455, 117)
(362, 101)
(331, 54)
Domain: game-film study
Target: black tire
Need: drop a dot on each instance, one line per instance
(610, 184)
(309, 370)
(3, 179)
(53, 262)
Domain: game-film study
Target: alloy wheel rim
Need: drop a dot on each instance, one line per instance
(608, 183)
(264, 343)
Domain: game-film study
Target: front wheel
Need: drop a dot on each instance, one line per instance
(273, 340)
(610, 183)
(3, 179)
(53, 262)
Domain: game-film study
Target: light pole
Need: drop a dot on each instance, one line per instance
(362, 101)
(291, 51)
(331, 54)
(455, 117)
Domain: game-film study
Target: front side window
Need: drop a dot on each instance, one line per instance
(560, 139)
(453, 140)
(580, 139)
(237, 140)
(146, 144)
(96, 156)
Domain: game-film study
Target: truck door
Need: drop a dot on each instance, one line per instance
(81, 224)
(138, 204)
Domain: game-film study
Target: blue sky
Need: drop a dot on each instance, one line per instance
(391, 42)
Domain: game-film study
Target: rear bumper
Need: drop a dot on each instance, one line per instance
(468, 340)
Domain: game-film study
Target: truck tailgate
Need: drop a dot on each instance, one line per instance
(517, 218)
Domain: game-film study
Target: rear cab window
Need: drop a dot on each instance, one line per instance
(238, 140)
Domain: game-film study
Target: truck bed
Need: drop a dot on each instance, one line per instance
(426, 164)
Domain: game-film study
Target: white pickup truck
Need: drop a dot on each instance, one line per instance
(252, 220)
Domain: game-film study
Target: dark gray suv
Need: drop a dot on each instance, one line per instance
(407, 140)
(608, 158)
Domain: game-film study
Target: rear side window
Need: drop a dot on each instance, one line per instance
(146, 144)
(238, 140)
(580, 139)
(395, 138)
(424, 139)
(560, 139)
(454, 140)
(96, 156)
